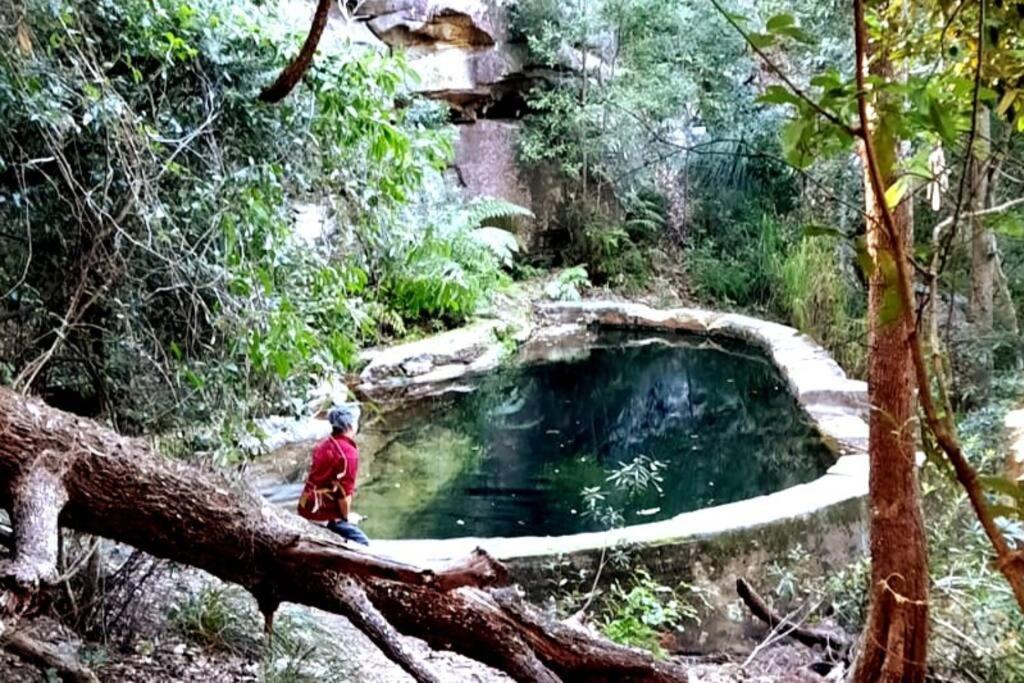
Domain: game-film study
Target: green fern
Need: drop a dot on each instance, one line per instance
(645, 216)
(486, 210)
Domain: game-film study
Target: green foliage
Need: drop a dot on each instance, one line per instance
(488, 211)
(566, 285)
(639, 614)
(974, 615)
(166, 201)
(741, 265)
(599, 235)
(807, 281)
(970, 598)
(217, 618)
(818, 297)
(225, 619)
(638, 475)
(485, 218)
(442, 278)
(840, 594)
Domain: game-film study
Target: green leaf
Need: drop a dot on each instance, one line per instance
(793, 138)
(988, 95)
(761, 40)
(798, 34)
(1009, 224)
(1002, 485)
(894, 195)
(942, 120)
(780, 21)
(776, 94)
(195, 380)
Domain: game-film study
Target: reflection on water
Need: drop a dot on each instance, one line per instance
(512, 457)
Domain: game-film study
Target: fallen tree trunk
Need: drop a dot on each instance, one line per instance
(834, 643)
(55, 466)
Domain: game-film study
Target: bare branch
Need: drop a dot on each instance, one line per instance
(360, 611)
(294, 72)
(46, 657)
(834, 642)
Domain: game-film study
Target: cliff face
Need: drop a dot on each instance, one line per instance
(462, 54)
(459, 48)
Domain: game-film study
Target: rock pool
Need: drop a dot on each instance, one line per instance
(513, 456)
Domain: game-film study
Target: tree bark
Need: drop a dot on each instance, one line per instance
(1005, 313)
(116, 487)
(293, 73)
(983, 257)
(895, 638)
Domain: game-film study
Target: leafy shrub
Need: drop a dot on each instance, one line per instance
(208, 308)
(566, 285)
(599, 236)
(442, 278)
(640, 614)
(742, 268)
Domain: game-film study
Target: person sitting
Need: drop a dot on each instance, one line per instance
(331, 482)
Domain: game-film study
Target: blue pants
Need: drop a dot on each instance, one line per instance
(348, 531)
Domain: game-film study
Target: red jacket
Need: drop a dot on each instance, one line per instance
(332, 474)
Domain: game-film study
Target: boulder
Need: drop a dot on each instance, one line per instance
(486, 164)
(475, 82)
(427, 25)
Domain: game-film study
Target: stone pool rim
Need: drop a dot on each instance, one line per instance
(835, 404)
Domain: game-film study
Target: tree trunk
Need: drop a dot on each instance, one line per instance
(983, 257)
(1005, 313)
(57, 466)
(894, 642)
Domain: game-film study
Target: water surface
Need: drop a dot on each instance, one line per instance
(515, 456)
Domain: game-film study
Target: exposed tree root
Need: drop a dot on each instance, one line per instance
(46, 656)
(836, 643)
(101, 483)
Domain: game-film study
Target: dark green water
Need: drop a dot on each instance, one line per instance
(512, 457)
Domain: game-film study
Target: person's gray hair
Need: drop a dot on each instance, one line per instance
(344, 416)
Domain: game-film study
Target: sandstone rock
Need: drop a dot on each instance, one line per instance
(474, 82)
(433, 24)
(486, 165)
(485, 158)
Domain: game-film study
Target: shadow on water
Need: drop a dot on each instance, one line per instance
(512, 457)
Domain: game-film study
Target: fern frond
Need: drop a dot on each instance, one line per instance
(483, 210)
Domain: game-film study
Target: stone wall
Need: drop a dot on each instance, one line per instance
(712, 546)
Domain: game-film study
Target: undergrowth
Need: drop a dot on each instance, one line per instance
(224, 619)
(978, 631)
